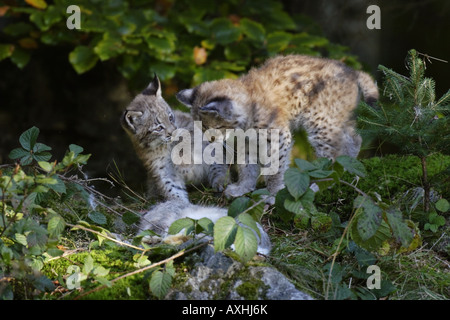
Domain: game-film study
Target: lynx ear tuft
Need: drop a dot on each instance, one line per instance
(154, 88)
(186, 97)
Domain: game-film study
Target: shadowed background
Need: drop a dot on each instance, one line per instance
(84, 108)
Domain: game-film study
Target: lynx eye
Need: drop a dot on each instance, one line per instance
(159, 128)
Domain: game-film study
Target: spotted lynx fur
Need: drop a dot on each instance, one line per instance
(285, 93)
(151, 124)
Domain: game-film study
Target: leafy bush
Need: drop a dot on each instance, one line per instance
(192, 41)
(29, 232)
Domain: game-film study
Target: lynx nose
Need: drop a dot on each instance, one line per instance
(170, 129)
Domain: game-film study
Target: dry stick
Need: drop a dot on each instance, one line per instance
(346, 183)
(106, 237)
(177, 255)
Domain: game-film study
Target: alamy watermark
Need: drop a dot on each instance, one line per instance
(74, 20)
(374, 280)
(231, 146)
(374, 20)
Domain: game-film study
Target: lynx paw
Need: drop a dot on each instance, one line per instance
(235, 190)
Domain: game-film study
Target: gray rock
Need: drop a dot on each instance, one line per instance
(217, 276)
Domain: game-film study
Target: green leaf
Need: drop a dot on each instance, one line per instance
(295, 206)
(54, 252)
(442, 205)
(83, 59)
(28, 138)
(37, 237)
(97, 217)
(39, 4)
(160, 283)
(237, 206)
(246, 243)
(372, 244)
(369, 217)
(15, 30)
(82, 158)
(239, 52)
(278, 41)
(248, 221)
(352, 165)
(18, 153)
(20, 238)
(304, 165)
(76, 149)
(109, 47)
(88, 264)
(224, 233)
(45, 165)
(6, 50)
(320, 174)
(253, 30)
(207, 225)
(56, 226)
(59, 186)
(163, 70)
(223, 31)
(42, 156)
(40, 147)
(100, 271)
(20, 57)
(161, 44)
(399, 226)
(280, 200)
(180, 224)
(129, 218)
(297, 182)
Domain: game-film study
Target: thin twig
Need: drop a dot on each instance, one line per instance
(428, 57)
(107, 237)
(346, 183)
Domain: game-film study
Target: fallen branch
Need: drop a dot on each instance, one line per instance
(107, 237)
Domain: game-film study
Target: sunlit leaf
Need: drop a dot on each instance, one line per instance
(246, 243)
(160, 283)
(39, 4)
(224, 233)
(185, 223)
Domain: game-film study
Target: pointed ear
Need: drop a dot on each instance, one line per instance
(186, 97)
(154, 88)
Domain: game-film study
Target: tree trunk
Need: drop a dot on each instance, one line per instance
(426, 185)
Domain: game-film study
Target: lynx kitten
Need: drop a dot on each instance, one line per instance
(151, 125)
(285, 93)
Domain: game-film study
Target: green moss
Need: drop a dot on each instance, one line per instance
(118, 260)
(388, 176)
(251, 289)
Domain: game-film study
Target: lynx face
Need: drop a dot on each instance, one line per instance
(217, 104)
(148, 119)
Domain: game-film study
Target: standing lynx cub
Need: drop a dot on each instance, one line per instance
(151, 124)
(285, 93)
